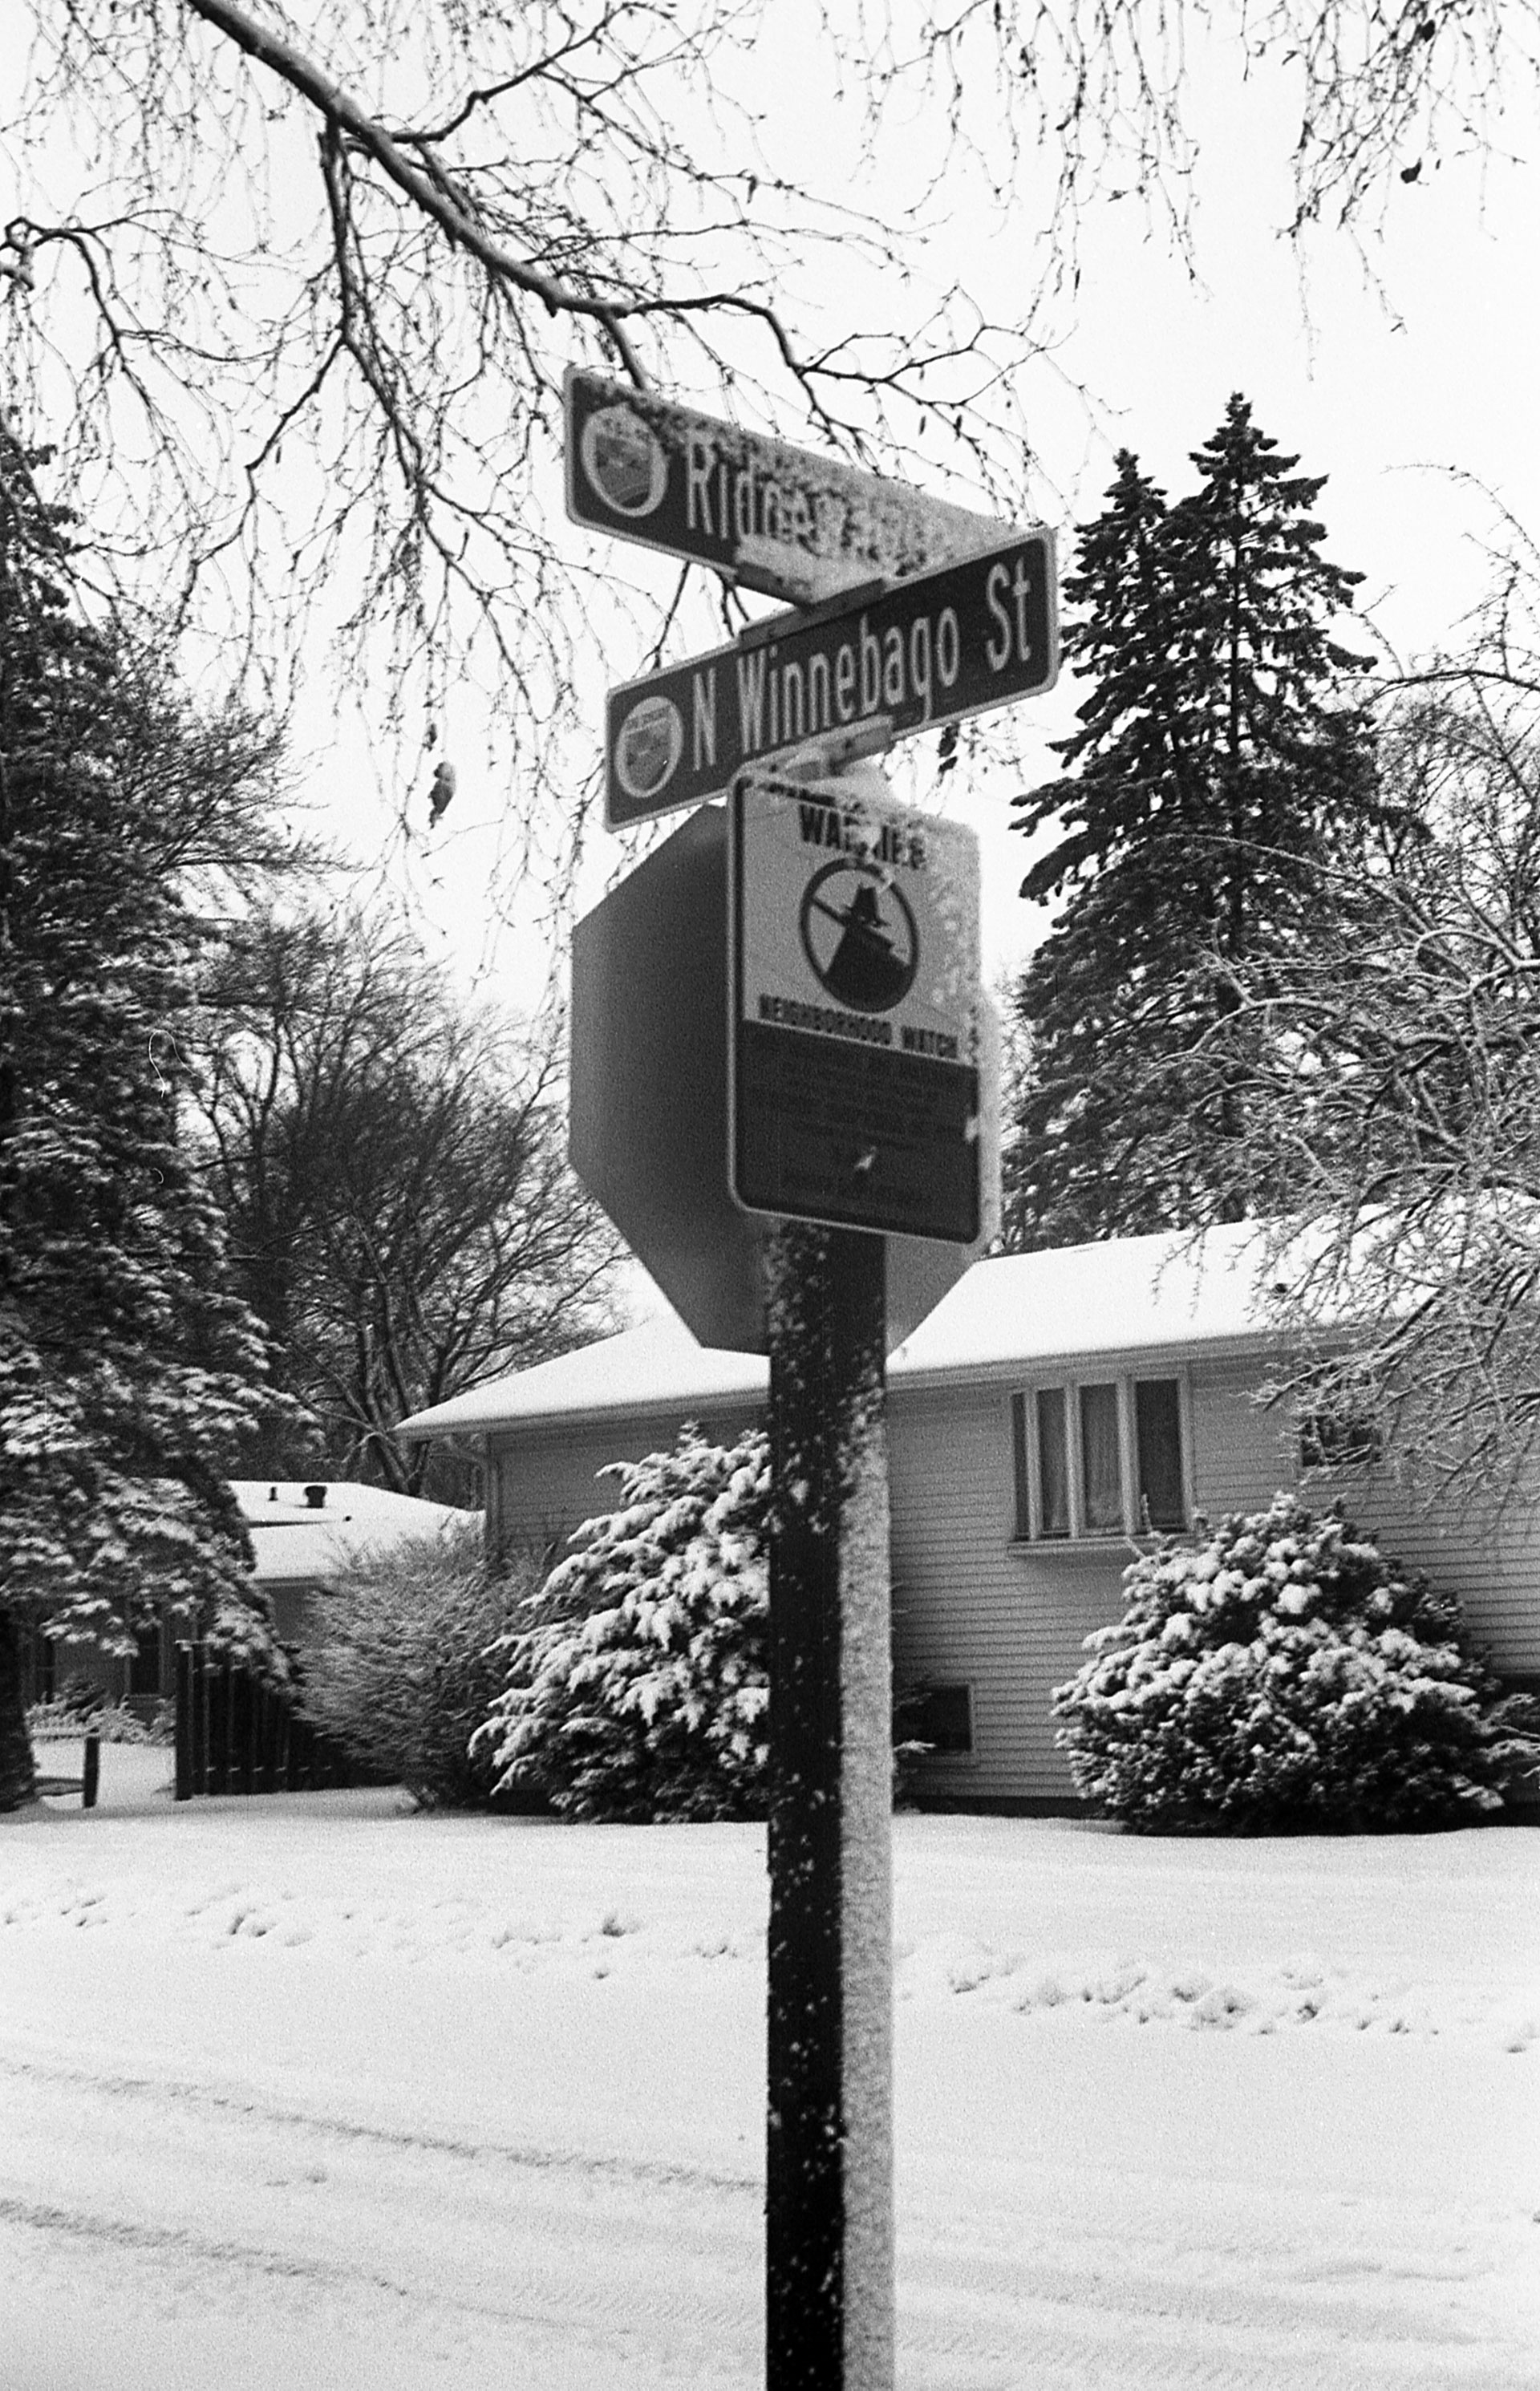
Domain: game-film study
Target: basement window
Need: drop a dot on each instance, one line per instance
(1100, 1457)
(940, 1716)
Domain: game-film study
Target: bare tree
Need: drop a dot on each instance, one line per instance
(401, 1214)
(319, 306)
(1102, 89)
(303, 301)
(1395, 1069)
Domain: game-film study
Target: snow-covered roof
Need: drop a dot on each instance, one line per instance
(1128, 1295)
(295, 1539)
(658, 1365)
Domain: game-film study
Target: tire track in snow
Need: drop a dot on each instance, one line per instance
(188, 2095)
(646, 2266)
(181, 2244)
(151, 2198)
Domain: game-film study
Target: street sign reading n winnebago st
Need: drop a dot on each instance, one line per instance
(977, 635)
(779, 519)
(854, 1064)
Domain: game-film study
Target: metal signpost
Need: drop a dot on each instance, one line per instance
(829, 2275)
(853, 1055)
(855, 1109)
(974, 635)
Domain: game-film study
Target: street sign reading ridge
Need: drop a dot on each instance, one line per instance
(780, 519)
(854, 1087)
(976, 635)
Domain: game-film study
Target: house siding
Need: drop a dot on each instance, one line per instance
(544, 1480)
(974, 1606)
(1487, 1555)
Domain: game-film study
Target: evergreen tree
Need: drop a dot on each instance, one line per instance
(126, 1369)
(636, 1688)
(1215, 759)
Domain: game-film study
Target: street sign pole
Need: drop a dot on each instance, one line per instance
(829, 2276)
(932, 616)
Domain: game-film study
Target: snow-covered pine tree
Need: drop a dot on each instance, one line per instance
(1284, 1675)
(637, 1685)
(126, 1370)
(1216, 756)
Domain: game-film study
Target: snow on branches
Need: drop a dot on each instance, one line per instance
(1285, 1675)
(637, 1682)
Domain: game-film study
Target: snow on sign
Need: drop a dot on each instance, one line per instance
(854, 1081)
(972, 637)
(779, 519)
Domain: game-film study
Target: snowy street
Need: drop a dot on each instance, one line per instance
(312, 2091)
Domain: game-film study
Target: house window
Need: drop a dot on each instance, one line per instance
(1339, 1441)
(1160, 1492)
(1053, 1463)
(1099, 1457)
(1338, 1425)
(44, 1673)
(144, 1667)
(940, 1716)
(1101, 1462)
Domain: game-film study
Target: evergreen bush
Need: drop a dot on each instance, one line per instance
(62, 1721)
(401, 1669)
(1286, 1676)
(636, 1677)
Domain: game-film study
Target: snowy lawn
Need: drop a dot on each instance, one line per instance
(311, 2091)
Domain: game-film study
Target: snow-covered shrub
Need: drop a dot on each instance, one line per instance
(399, 1669)
(636, 1684)
(67, 1718)
(1286, 1675)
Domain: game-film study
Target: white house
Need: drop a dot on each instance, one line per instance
(301, 1536)
(1046, 1400)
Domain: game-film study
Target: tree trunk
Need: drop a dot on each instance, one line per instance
(18, 1776)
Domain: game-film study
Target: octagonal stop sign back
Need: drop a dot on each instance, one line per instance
(649, 1133)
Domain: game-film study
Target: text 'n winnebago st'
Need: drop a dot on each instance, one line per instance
(978, 635)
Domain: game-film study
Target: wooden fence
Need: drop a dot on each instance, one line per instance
(237, 1734)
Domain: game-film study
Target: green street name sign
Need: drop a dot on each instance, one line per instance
(977, 635)
(782, 520)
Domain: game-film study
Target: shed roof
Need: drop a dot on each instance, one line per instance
(298, 1543)
(1019, 1311)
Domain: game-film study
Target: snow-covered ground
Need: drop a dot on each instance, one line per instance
(312, 2091)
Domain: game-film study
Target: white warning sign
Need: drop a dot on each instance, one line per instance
(855, 989)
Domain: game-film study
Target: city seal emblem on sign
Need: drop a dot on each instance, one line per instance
(624, 460)
(647, 747)
(859, 936)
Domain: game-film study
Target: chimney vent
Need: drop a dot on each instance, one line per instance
(315, 1497)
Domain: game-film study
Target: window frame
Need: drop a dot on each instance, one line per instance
(958, 1757)
(1329, 1446)
(1027, 1462)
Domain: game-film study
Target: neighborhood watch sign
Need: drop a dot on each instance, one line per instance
(976, 634)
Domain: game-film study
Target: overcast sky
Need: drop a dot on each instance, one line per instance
(1394, 372)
